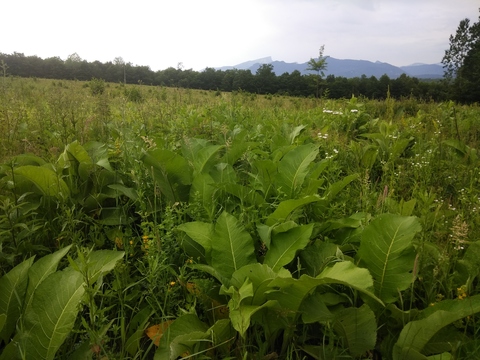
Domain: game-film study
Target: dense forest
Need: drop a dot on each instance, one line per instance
(264, 81)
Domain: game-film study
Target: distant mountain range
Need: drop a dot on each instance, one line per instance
(347, 68)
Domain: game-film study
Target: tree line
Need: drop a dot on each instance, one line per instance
(263, 81)
(461, 81)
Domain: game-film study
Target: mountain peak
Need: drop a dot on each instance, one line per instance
(348, 68)
(248, 64)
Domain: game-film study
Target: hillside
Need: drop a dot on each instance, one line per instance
(348, 68)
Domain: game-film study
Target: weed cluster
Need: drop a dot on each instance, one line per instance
(209, 225)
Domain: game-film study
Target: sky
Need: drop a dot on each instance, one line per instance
(196, 34)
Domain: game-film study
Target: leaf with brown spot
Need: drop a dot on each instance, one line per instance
(155, 332)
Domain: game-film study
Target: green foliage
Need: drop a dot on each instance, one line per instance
(461, 61)
(318, 65)
(387, 251)
(40, 179)
(416, 334)
(293, 169)
(250, 227)
(97, 86)
(284, 245)
(172, 173)
(360, 335)
(43, 304)
(134, 95)
(13, 286)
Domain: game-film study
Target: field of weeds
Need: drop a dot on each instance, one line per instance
(141, 222)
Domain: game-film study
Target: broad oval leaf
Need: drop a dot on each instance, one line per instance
(44, 179)
(52, 315)
(39, 271)
(358, 327)
(285, 245)
(205, 158)
(294, 167)
(178, 330)
(416, 334)
(260, 276)
(291, 292)
(204, 193)
(172, 173)
(13, 286)
(201, 233)
(100, 262)
(387, 251)
(285, 208)
(232, 246)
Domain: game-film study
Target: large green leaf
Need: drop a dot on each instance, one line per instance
(180, 337)
(260, 276)
(287, 207)
(416, 334)
(358, 328)
(98, 263)
(295, 132)
(465, 152)
(52, 314)
(241, 313)
(313, 181)
(172, 173)
(232, 246)
(191, 146)
(205, 158)
(317, 256)
(26, 159)
(13, 286)
(3, 320)
(314, 309)
(39, 271)
(338, 186)
(294, 167)
(127, 191)
(201, 233)
(203, 193)
(291, 292)
(223, 335)
(468, 268)
(387, 251)
(237, 148)
(44, 179)
(76, 152)
(265, 173)
(245, 194)
(201, 155)
(285, 245)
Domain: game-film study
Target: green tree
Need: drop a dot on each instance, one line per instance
(462, 61)
(266, 79)
(318, 65)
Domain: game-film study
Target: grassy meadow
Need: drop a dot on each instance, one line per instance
(141, 222)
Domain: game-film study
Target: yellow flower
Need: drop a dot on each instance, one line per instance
(145, 238)
(462, 292)
(172, 283)
(131, 242)
(119, 242)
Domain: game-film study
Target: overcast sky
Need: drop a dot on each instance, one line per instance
(214, 33)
